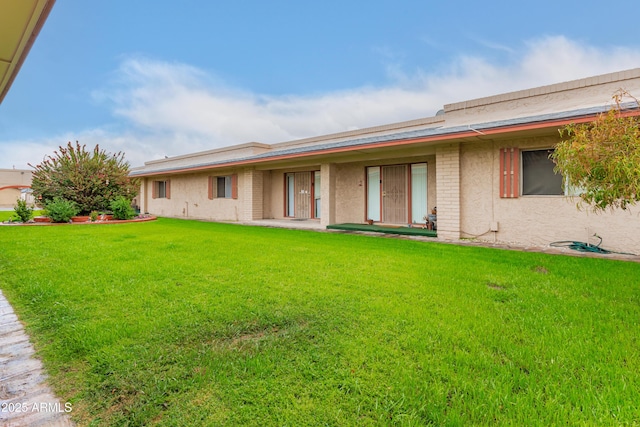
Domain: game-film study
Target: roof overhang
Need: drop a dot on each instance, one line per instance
(527, 126)
(20, 23)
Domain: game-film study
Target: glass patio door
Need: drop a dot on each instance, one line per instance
(395, 196)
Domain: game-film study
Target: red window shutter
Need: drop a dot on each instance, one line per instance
(154, 189)
(168, 189)
(509, 177)
(234, 186)
(210, 189)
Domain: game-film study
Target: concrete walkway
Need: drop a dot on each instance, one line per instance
(294, 224)
(25, 398)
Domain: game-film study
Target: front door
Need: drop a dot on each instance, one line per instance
(302, 194)
(394, 194)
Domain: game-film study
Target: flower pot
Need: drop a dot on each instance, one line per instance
(41, 219)
(81, 218)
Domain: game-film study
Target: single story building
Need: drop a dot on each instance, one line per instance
(13, 183)
(483, 162)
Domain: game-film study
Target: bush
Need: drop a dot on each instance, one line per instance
(61, 210)
(92, 179)
(23, 211)
(121, 208)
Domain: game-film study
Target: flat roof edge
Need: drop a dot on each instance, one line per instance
(618, 76)
(431, 133)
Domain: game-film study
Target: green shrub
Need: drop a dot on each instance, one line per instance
(23, 211)
(121, 208)
(61, 210)
(93, 216)
(90, 178)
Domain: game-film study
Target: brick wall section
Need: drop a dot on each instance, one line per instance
(448, 190)
(252, 187)
(328, 194)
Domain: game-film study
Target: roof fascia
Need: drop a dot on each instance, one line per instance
(468, 133)
(15, 66)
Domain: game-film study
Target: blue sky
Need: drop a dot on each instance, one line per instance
(162, 78)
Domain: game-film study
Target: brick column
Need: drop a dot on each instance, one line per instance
(142, 197)
(328, 194)
(448, 190)
(252, 191)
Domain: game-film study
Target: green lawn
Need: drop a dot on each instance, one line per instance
(5, 215)
(190, 323)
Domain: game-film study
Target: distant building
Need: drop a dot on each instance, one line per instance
(14, 184)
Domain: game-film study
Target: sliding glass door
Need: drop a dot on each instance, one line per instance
(397, 194)
(418, 192)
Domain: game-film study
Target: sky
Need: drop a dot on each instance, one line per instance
(156, 78)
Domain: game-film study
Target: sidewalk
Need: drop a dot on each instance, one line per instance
(25, 398)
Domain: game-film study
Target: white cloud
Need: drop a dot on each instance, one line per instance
(171, 109)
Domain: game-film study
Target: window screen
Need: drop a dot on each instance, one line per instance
(538, 177)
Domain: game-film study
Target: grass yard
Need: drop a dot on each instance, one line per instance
(190, 323)
(6, 215)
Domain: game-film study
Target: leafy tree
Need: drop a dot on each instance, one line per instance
(91, 179)
(603, 158)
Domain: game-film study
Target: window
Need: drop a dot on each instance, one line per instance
(291, 195)
(223, 187)
(317, 191)
(538, 177)
(161, 190)
(530, 173)
(418, 192)
(373, 193)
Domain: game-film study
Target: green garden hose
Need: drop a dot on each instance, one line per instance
(586, 247)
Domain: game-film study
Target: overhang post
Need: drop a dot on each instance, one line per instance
(448, 191)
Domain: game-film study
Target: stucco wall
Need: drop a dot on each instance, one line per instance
(189, 198)
(537, 220)
(9, 196)
(567, 96)
(351, 186)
